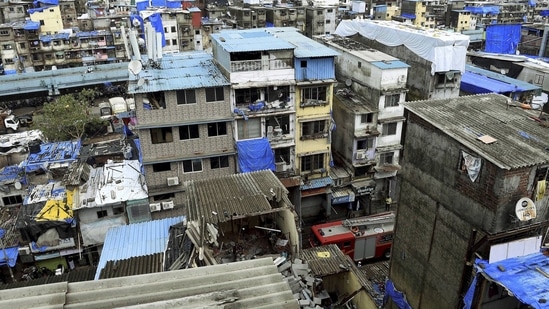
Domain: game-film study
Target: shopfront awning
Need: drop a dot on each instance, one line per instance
(364, 187)
(342, 195)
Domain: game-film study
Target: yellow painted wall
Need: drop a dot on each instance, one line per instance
(312, 112)
(51, 17)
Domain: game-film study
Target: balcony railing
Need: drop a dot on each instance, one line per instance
(257, 65)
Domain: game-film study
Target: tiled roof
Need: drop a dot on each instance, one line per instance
(223, 198)
(521, 140)
(135, 240)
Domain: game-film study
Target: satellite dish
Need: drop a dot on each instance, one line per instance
(348, 82)
(525, 209)
(17, 185)
(135, 67)
(140, 82)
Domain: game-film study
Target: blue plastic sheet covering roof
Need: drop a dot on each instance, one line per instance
(407, 15)
(255, 155)
(10, 174)
(249, 40)
(39, 2)
(316, 183)
(141, 5)
(51, 155)
(31, 25)
(86, 34)
(12, 254)
(524, 277)
(133, 240)
(57, 36)
(476, 80)
(487, 9)
(532, 3)
(502, 38)
(305, 47)
(190, 70)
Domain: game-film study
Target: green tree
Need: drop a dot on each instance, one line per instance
(66, 118)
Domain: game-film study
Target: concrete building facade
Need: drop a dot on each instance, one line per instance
(465, 169)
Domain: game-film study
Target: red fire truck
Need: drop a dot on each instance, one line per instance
(360, 238)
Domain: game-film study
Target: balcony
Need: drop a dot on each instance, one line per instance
(258, 65)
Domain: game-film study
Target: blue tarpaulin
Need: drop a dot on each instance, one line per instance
(156, 22)
(12, 253)
(468, 298)
(173, 4)
(255, 155)
(476, 84)
(141, 5)
(398, 297)
(502, 38)
(487, 9)
(544, 13)
(523, 276)
(31, 25)
(532, 3)
(409, 16)
(37, 3)
(158, 3)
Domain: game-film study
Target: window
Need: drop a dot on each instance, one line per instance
(186, 96)
(173, 29)
(161, 167)
(313, 129)
(359, 64)
(194, 165)
(174, 42)
(188, 132)
(117, 210)
(217, 129)
(161, 135)
(101, 214)
(7, 47)
(214, 94)
(246, 96)
(42, 22)
(366, 118)
(156, 100)
(313, 162)
(8, 60)
(538, 79)
(303, 63)
(365, 143)
(139, 213)
(162, 197)
(314, 96)
(12, 200)
(386, 158)
(346, 244)
(4, 32)
(250, 128)
(389, 128)
(219, 162)
(22, 45)
(392, 100)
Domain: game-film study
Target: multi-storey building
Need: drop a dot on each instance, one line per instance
(436, 65)
(369, 117)
(466, 172)
(416, 10)
(320, 20)
(184, 124)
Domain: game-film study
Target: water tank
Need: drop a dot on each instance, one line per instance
(34, 146)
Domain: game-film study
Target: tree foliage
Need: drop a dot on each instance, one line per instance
(67, 118)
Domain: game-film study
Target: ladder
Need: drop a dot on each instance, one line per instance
(381, 219)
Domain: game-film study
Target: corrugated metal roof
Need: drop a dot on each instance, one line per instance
(520, 140)
(326, 260)
(188, 70)
(390, 64)
(316, 183)
(305, 47)
(504, 79)
(134, 240)
(146, 264)
(234, 195)
(249, 40)
(75, 275)
(247, 284)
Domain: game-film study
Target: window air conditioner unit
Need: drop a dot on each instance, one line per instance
(155, 207)
(360, 155)
(173, 181)
(167, 205)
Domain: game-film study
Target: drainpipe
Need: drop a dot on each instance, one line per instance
(544, 41)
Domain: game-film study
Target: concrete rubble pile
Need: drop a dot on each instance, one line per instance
(307, 289)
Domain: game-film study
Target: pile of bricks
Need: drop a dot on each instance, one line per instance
(307, 289)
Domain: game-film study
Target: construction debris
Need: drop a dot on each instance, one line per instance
(307, 290)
